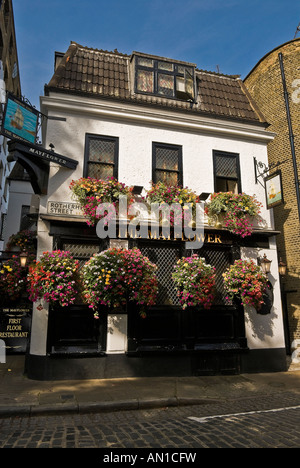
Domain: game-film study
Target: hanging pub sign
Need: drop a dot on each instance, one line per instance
(273, 188)
(20, 120)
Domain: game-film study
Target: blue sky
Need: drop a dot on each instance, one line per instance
(226, 35)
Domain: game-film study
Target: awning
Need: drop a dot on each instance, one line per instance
(36, 160)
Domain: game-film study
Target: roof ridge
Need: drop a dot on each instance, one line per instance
(116, 52)
(112, 52)
(221, 75)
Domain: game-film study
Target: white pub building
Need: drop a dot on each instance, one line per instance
(143, 119)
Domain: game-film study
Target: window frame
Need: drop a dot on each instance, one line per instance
(87, 162)
(156, 145)
(175, 73)
(236, 156)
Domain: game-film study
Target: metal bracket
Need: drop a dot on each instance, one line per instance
(260, 168)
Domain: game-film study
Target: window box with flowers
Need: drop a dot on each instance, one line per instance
(90, 193)
(244, 281)
(162, 193)
(195, 281)
(117, 276)
(234, 212)
(54, 279)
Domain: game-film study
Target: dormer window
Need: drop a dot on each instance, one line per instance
(164, 78)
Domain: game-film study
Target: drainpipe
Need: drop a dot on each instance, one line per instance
(287, 105)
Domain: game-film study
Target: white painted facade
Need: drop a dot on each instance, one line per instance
(137, 128)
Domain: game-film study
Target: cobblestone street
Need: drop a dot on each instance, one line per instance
(269, 422)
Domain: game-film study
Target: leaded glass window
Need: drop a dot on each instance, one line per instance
(145, 81)
(101, 158)
(164, 78)
(227, 172)
(167, 164)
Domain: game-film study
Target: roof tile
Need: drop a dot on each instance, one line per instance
(101, 73)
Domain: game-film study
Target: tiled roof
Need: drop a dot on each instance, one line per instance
(105, 74)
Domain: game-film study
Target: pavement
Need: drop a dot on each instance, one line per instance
(21, 396)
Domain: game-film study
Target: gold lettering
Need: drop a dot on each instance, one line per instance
(218, 239)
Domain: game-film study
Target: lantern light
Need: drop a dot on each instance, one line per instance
(265, 264)
(23, 259)
(282, 268)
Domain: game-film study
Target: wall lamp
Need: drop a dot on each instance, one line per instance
(282, 268)
(265, 264)
(23, 259)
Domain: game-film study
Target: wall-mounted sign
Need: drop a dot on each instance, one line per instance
(64, 208)
(273, 188)
(15, 325)
(20, 120)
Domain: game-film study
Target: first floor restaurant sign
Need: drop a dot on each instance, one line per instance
(15, 324)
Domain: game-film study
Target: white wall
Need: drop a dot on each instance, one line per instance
(135, 153)
(136, 132)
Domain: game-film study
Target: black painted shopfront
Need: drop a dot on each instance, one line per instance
(169, 340)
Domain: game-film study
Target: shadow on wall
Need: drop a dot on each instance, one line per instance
(262, 325)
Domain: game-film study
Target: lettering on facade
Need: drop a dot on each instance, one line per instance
(48, 156)
(209, 238)
(14, 329)
(64, 208)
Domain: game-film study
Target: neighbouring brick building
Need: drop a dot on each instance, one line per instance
(278, 103)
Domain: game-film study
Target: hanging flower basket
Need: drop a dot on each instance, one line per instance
(245, 281)
(236, 211)
(13, 280)
(194, 281)
(163, 194)
(90, 193)
(115, 276)
(24, 240)
(54, 278)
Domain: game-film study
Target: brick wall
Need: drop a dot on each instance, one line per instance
(264, 83)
